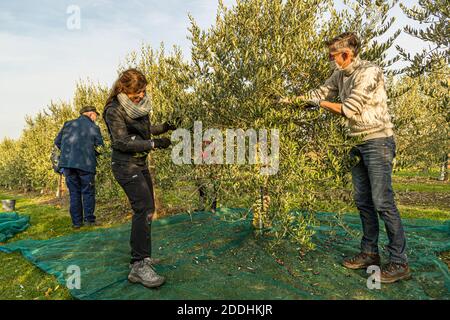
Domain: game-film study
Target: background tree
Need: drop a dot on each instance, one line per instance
(435, 15)
(432, 62)
(262, 48)
(421, 127)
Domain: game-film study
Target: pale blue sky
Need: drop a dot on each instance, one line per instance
(41, 60)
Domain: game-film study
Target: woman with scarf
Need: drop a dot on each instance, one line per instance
(127, 118)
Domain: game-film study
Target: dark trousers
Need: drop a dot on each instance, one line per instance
(372, 181)
(81, 185)
(137, 184)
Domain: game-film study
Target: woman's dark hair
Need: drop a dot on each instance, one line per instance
(129, 82)
(346, 40)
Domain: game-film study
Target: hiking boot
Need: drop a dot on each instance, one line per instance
(150, 261)
(92, 223)
(362, 261)
(76, 226)
(142, 272)
(393, 272)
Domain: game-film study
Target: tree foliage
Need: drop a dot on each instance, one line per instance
(435, 15)
(259, 49)
(421, 121)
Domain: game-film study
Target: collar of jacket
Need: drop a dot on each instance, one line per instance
(83, 116)
(352, 66)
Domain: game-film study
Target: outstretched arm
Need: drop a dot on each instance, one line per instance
(363, 90)
(331, 106)
(328, 91)
(161, 128)
(165, 127)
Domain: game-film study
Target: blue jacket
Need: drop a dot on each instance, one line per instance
(78, 140)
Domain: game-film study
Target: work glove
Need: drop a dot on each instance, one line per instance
(313, 103)
(300, 101)
(169, 126)
(308, 104)
(162, 143)
(172, 124)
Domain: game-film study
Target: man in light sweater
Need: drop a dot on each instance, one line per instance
(361, 89)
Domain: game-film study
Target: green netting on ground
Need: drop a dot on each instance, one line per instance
(11, 224)
(218, 256)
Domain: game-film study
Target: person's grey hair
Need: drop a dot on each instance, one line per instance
(347, 40)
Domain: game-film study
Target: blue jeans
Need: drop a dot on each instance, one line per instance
(81, 185)
(372, 182)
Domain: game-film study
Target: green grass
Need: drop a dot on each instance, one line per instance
(423, 181)
(410, 212)
(19, 279)
(432, 196)
(422, 187)
(433, 173)
(419, 212)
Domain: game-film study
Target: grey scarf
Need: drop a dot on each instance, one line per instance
(135, 111)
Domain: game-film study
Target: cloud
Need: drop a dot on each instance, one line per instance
(41, 60)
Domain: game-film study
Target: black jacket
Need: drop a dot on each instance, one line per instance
(78, 140)
(130, 138)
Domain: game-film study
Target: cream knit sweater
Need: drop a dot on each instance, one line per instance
(361, 89)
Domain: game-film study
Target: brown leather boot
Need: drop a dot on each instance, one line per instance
(362, 261)
(393, 272)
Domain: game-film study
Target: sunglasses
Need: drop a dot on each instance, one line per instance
(138, 94)
(332, 56)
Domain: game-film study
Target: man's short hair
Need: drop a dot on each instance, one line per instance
(347, 40)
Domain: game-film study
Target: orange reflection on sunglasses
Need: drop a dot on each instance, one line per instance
(332, 56)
